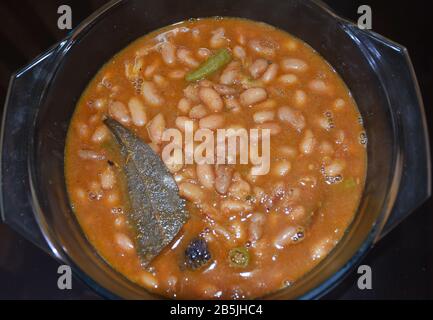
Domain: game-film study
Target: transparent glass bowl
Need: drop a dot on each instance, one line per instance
(43, 95)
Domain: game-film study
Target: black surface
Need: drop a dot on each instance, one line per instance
(402, 263)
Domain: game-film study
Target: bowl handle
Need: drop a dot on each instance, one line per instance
(23, 98)
(397, 75)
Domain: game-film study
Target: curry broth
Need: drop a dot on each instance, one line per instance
(327, 206)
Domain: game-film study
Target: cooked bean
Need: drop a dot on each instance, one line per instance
(253, 96)
(270, 73)
(100, 104)
(282, 168)
(206, 175)
(232, 104)
(118, 111)
(177, 74)
(292, 117)
(151, 94)
(263, 116)
(151, 69)
(191, 192)
(231, 73)
(308, 142)
(239, 53)
(198, 112)
(90, 155)
(339, 104)
(211, 99)
(235, 206)
(174, 162)
(212, 122)
(191, 93)
(298, 214)
(124, 242)
(156, 127)
(300, 98)
(335, 168)
(239, 189)
(258, 67)
(274, 128)
(225, 90)
(218, 38)
(138, 114)
(319, 86)
(184, 105)
(168, 53)
(263, 47)
(100, 135)
(293, 64)
(285, 237)
(160, 81)
(108, 179)
(255, 228)
(181, 121)
(288, 79)
(223, 178)
(267, 104)
(204, 52)
(185, 57)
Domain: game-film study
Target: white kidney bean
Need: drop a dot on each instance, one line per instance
(239, 189)
(258, 67)
(229, 205)
(218, 38)
(264, 116)
(138, 113)
(288, 79)
(214, 121)
(307, 143)
(270, 73)
(160, 81)
(255, 228)
(124, 242)
(108, 179)
(185, 57)
(232, 104)
(239, 53)
(263, 47)
(335, 168)
(177, 74)
(339, 104)
(191, 192)
(184, 105)
(211, 99)
(180, 122)
(119, 112)
(204, 53)
(285, 237)
(168, 53)
(274, 128)
(198, 112)
(300, 98)
(100, 104)
(155, 128)
(282, 168)
(319, 86)
(191, 92)
(225, 90)
(292, 117)
(100, 135)
(223, 178)
(151, 69)
(293, 64)
(174, 162)
(253, 96)
(151, 94)
(90, 155)
(231, 73)
(206, 175)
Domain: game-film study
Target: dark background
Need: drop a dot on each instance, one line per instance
(402, 263)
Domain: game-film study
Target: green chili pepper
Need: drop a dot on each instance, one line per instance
(211, 65)
(239, 257)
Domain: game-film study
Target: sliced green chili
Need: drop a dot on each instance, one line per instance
(211, 65)
(239, 257)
